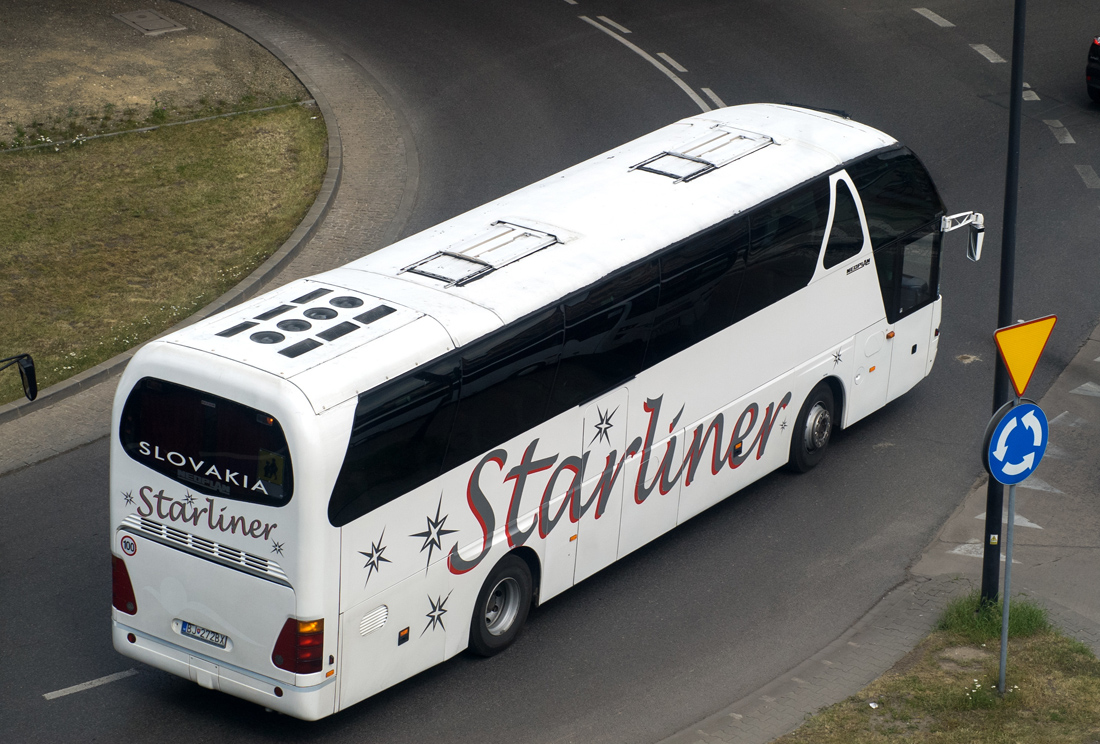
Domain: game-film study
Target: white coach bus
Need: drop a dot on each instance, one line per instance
(345, 481)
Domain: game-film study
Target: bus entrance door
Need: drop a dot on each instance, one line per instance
(604, 441)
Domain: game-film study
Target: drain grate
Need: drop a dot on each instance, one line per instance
(149, 22)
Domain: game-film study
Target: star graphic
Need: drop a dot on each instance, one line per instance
(189, 499)
(433, 536)
(837, 358)
(277, 547)
(603, 426)
(128, 497)
(435, 615)
(783, 426)
(374, 556)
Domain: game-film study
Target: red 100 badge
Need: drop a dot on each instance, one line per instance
(129, 545)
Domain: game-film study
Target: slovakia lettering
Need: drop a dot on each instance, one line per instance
(203, 474)
(173, 510)
(653, 476)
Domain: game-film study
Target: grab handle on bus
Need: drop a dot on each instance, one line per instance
(976, 236)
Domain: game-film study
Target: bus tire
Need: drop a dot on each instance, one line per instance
(502, 606)
(813, 428)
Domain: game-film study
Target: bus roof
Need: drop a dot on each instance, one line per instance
(461, 279)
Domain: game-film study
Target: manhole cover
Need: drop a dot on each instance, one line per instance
(149, 22)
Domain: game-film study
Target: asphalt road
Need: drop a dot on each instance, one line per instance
(499, 94)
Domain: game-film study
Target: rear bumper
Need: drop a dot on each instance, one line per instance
(307, 703)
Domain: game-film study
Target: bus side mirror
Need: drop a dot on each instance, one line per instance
(974, 243)
(26, 374)
(976, 237)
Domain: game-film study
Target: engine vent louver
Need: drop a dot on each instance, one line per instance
(341, 329)
(374, 314)
(300, 348)
(374, 620)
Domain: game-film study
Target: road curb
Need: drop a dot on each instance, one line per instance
(254, 281)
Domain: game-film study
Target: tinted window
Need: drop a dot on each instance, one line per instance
(398, 440)
(606, 332)
(786, 242)
(898, 195)
(208, 443)
(846, 234)
(700, 283)
(908, 273)
(506, 384)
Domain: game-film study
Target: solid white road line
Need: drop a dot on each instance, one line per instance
(988, 53)
(672, 63)
(653, 61)
(714, 97)
(617, 27)
(1088, 175)
(1060, 133)
(936, 19)
(89, 685)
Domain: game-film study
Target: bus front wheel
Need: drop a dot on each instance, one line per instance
(813, 428)
(502, 606)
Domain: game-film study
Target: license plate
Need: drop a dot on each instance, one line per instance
(205, 635)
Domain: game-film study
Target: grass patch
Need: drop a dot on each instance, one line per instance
(978, 621)
(945, 691)
(112, 242)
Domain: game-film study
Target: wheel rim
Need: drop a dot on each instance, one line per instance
(818, 425)
(502, 606)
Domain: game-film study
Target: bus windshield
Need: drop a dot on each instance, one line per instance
(213, 445)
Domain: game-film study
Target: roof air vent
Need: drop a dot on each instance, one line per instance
(345, 302)
(311, 296)
(268, 337)
(320, 313)
(237, 329)
(499, 246)
(721, 145)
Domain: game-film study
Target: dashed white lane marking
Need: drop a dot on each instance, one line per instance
(1019, 521)
(974, 550)
(653, 61)
(1060, 133)
(617, 27)
(672, 63)
(1089, 388)
(935, 18)
(714, 97)
(988, 53)
(89, 685)
(1038, 484)
(571, 2)
(1065, 418)
(1030, 95)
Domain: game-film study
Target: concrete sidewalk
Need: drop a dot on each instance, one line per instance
(1057, 541)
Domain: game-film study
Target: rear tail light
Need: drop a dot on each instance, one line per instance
(301, 646)
(122, 591)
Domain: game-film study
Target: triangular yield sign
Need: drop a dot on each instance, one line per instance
(1021, 346)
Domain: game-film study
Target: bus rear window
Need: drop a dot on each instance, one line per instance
(210, 444)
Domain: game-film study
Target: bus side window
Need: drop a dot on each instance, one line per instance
(846, 235)
(909, 272)
(700, 283)
(898, 194)
(398, 440)
(786, 242)
(506, 383)
(607, 329)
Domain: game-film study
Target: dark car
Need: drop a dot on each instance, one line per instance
(1092, 71)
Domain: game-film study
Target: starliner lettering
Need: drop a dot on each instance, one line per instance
(174, 510)
(202, 473)
(663, 479)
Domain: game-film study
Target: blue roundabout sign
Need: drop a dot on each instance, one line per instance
(1015, 442)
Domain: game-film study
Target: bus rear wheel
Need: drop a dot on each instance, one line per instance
(813, 428)
(502, 607)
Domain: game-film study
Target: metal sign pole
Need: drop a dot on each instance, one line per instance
(991, 559)
(1008, 583)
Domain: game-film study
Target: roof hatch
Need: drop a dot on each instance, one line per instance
(502, 244)
(719, 146)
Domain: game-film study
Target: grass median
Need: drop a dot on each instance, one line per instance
(107, 243)
(945, 690)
